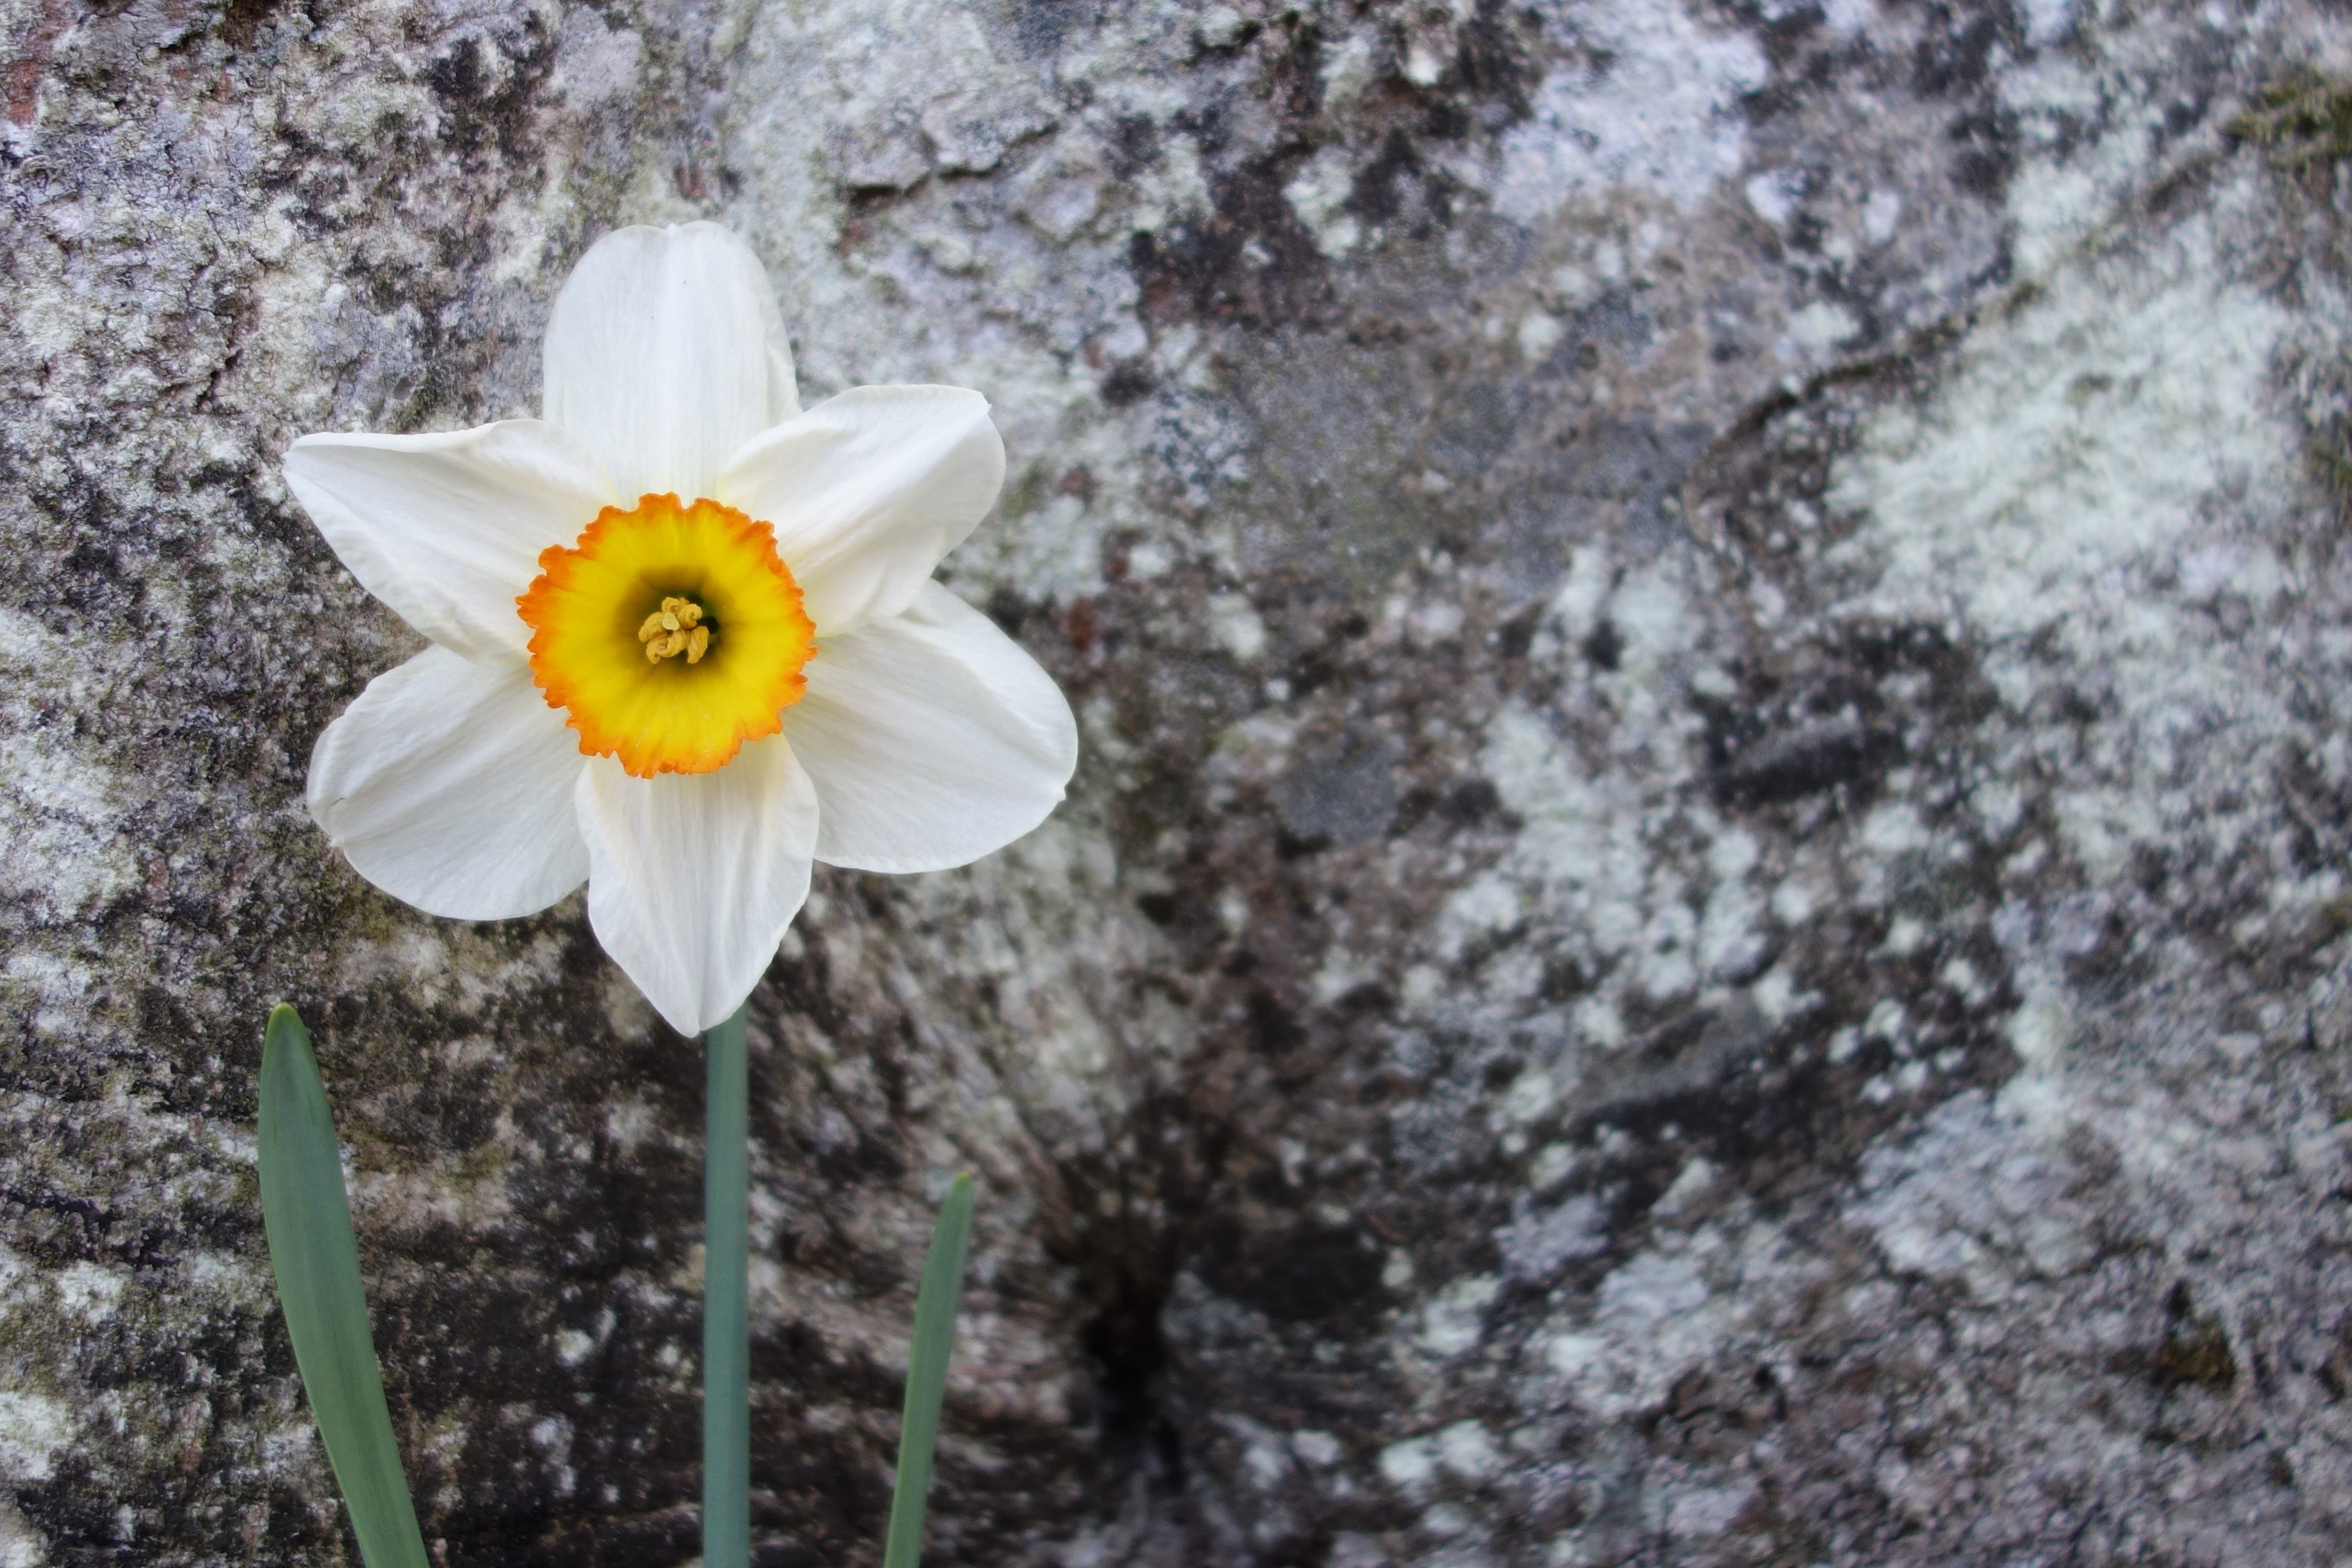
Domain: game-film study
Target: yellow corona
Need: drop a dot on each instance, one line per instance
(669, 634)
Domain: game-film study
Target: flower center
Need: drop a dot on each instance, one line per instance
(676, 627)
(669, 633)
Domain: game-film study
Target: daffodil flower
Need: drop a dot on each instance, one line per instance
(685, 636)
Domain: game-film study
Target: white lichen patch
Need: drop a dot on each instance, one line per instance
(2057, 204)
(1817, 331)
(1234, 625)
(1539, 1241)
(1704, 1513)
(1468, 1450)
(21, 1545)
(1652, 1319)
(1981, 1197)
(87, 1292)
(1587, 858)
(2079, 449)
(33, 1428)
(1408, 1466)
(1486, 906)
(2089, 446)
(1341, 972)
(62, 808)
(1454, 1323)
(1319, 193)
(1653, 109)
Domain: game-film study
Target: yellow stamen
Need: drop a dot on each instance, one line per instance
(676, 627)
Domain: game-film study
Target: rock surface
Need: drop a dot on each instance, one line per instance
(1704, 918)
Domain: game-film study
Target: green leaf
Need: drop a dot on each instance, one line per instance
(926, 1375)
(317, 1267)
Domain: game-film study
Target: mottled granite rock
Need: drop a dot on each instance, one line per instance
(1703, 921)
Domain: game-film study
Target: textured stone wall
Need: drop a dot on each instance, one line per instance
(1703, 921)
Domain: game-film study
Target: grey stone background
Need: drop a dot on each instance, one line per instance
(1703, 921)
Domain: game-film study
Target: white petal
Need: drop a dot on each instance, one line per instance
(867, 490)
(449, 784)
(448, 528)
(666, 353)
(693, 876)
(932, 737)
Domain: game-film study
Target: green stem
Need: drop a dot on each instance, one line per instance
(726, 1305)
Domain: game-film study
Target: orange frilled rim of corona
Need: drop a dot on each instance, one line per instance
(669, 633)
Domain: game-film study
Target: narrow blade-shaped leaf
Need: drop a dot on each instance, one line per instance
(927, 1374)
(317, 1263)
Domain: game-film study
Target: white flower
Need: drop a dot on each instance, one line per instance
(686, 639)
